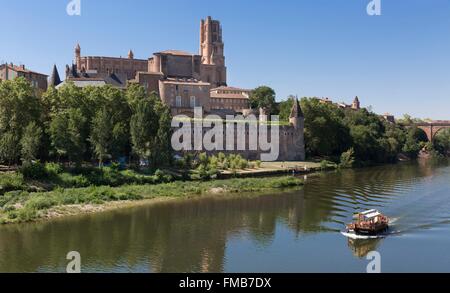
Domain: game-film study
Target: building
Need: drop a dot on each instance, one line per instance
(389, 118)
(185, 81)
(11, 71)
(230, 98)
(356, 105)
(291, 140)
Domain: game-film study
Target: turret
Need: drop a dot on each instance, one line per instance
(130, 54)
(356, 105)
(78, 55)
(297, 119)
(54, 79)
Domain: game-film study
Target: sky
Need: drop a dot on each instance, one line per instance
(397, 62)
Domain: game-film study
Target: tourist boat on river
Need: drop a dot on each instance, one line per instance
(370, 222)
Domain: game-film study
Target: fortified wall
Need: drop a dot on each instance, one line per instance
(246, 138)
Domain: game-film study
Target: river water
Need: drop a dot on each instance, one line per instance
(284, 232)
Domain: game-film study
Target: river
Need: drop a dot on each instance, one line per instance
(284, 232)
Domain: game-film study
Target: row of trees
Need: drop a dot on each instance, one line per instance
(105, 123)
(331, 131)
(75, 125)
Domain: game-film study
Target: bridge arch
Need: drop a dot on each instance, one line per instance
(432, 129)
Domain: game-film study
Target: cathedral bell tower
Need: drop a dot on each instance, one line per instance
(78, 55)
(212, 51)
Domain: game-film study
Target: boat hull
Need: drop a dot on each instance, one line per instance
(371, 232)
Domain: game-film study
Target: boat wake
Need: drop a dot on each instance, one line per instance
(356, 236)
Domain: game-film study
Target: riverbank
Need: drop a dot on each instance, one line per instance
(24, 206)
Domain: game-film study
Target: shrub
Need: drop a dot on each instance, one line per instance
(325, 164)
(40, 202)
(347, 159)
(11, 181)
(162, 177)
(33, 170)
(53, 169)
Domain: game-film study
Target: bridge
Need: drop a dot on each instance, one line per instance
(432, 128)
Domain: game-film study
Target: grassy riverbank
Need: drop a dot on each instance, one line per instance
(24, 206)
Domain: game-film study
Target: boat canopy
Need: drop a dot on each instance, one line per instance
(372, 215)
(369, 212)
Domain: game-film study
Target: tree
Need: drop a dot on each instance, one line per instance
(442, 142)
(325, 132)
(66, 134)
(101, 135)
(31, 142)
(264, 97)
(143, 128)
(347, 159)
(9, 148)
(285, 107)
(150, 129)
(163, 143)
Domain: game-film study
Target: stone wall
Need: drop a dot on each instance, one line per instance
(291, 143)
(108, 65)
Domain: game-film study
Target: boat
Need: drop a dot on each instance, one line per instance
(371, 223)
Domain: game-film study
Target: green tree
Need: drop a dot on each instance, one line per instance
(442, 142)
(9, 148)
(285, 108)
(101, 135)
(143, 128)
(264, 97)
(347, 159)
(66, 134)
(325, 133)
(31, 142)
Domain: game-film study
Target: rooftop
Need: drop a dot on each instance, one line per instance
(20, 68)
(229, 88)
(229, 96)
(176, 53)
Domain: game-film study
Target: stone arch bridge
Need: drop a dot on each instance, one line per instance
(432, 128)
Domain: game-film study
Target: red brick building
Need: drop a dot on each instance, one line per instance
(11, 71)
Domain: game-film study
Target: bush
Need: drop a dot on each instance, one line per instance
(10, 182)
(53, 169)
(162, 177)
(325, 165)
(40, 202)
(33, 170)
(347, 159)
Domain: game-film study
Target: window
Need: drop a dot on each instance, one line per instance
(178, 101)
(193, 104)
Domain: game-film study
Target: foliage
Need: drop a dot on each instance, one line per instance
(31, 142)
(442, 142)
(285, 107)
(347, 159)
(33, 170)
(9, 148)
(11, 181)
(263, 97)
(331, 131)
(24, 206)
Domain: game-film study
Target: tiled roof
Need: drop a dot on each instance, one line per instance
(21, 69)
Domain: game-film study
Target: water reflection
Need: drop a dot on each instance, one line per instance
(362, 247)
(195, 235)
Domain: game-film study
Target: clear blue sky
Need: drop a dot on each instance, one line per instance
(398, 62)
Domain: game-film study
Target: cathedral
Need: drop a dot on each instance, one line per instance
(186, 81)
(182, 80)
